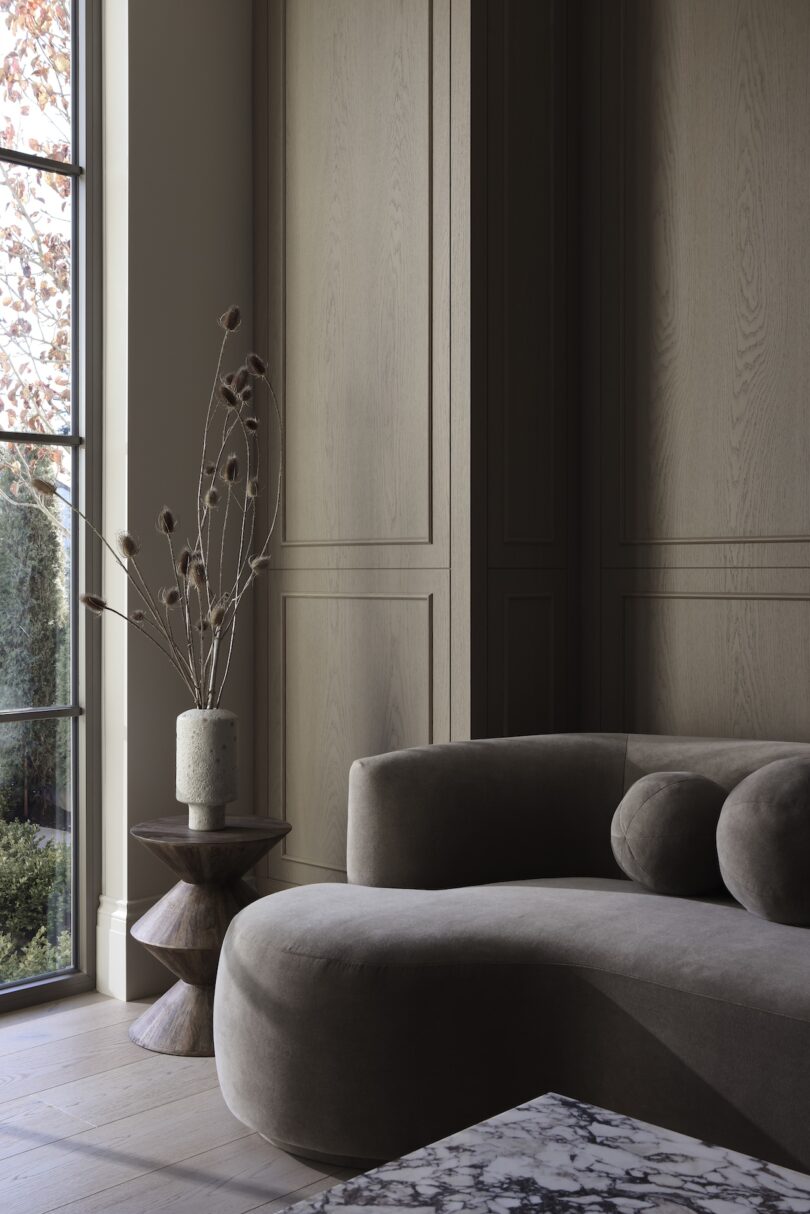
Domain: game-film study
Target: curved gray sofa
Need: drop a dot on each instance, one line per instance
(488, 949)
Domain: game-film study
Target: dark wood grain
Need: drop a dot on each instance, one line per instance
(181, 1022)
(185, 930)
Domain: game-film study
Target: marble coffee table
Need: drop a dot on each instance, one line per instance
(558, 1155)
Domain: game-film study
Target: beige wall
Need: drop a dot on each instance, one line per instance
(699, 591)
(178, 251)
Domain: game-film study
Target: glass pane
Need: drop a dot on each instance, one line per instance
(35, 227)
(35, 848)
(35, 103)
(34, 578)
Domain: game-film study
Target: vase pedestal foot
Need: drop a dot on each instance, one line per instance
(180, 1022)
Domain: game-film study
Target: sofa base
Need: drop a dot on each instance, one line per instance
(331, 1161)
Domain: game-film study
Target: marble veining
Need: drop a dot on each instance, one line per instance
(560, 1156)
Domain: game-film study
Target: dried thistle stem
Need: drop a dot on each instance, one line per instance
(184, 606)
(139, 628)
(149, 607)
(239, 595)
(208, 415)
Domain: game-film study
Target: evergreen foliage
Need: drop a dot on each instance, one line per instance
(34, 898)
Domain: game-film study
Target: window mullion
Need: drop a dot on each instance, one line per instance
(9, 715)
(40, 440)
(27, 160)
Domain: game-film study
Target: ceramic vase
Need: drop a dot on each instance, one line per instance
(207, 765)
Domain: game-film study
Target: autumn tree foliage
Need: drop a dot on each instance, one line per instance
(35, 228)
(35, 398)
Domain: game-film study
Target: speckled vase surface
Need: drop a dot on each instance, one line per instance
(207, 765)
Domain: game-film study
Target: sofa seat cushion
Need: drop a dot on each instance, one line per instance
(355, 1024)
(708, 947)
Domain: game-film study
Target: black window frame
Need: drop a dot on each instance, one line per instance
(84, 441)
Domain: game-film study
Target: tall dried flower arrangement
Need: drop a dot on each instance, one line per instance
(192, 620)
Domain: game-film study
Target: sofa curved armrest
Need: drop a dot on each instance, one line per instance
(468, 813)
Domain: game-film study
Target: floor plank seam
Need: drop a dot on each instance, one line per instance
(146, 1171)
(41, 1045)
(161, 1104)
(6, 1099)
(216, 1182)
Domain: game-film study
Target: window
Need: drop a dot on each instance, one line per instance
(41, 421)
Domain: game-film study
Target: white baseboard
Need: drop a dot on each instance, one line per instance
(124, 968)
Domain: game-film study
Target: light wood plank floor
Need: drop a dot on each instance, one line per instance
(92, 1124)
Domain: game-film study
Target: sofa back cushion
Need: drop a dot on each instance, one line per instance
(467, 813)
(724, 760)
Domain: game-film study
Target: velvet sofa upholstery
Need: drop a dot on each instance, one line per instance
(487, 949)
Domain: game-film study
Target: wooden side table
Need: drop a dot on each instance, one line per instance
(186, 928)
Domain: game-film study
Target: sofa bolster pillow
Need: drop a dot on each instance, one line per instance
(663, 833)
(763, 841)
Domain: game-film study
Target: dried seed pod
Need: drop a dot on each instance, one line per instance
(137, 617)
(259, 563)
(252, 424)
(210, 469)
(256, 364)
(202, 625)
(169, 596)
(183, 560)
(228, 379)
(230, 470)
(240, 379)
(127, 544)
(211, 498)
(216, 615)
(231, 319)
(43, 488)
(166, 522)
(94, 603)
(246, 395)
(227, 395)
(197, 573)
(252, 487)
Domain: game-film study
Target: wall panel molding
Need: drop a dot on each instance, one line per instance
(358, 665)
(714, 652)
(709, 440)
(361, 232)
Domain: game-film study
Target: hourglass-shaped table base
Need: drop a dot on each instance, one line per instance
(186, 928)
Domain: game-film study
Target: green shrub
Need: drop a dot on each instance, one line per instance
(34, 650)
(34, 885)
(37, 957)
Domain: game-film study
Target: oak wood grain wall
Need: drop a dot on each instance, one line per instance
(697, 573)
(362, 241)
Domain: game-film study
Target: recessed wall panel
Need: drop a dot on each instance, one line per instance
(716, 264)
(357, 680)
(720, 666)
(358, 266)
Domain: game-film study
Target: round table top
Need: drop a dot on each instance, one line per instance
(175, 831)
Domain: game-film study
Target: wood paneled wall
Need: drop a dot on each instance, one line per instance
(539, 338)
(526, 526)
(360, 142)
(697, 407)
